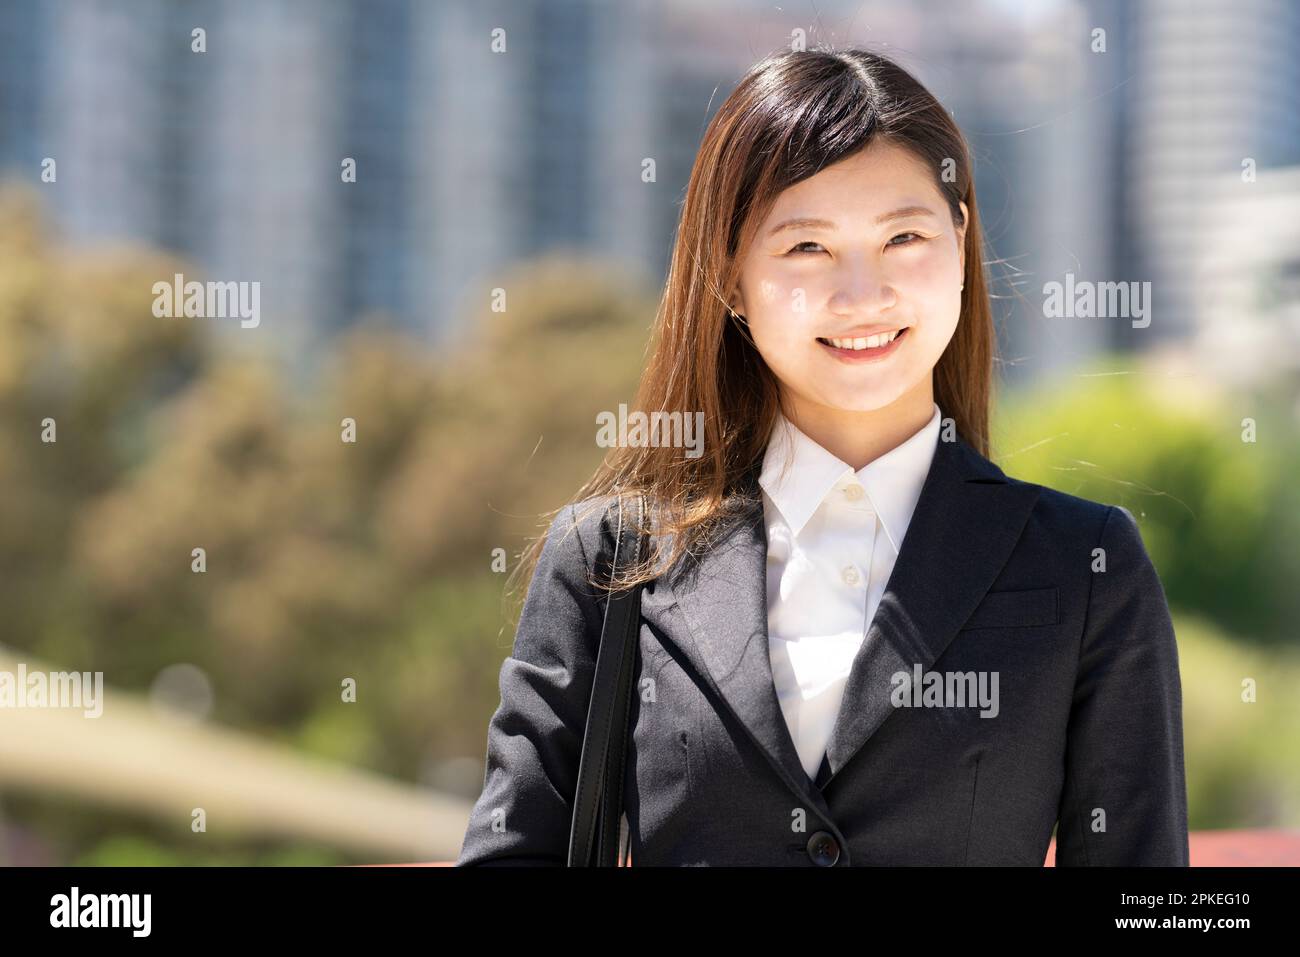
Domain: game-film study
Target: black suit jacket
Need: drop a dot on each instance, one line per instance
(995, 577)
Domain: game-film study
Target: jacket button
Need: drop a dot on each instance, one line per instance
(823, 849)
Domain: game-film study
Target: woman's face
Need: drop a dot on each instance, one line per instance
(885, 256)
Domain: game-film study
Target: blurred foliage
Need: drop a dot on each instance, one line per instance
(325, 560)
(1242, 757)
(61, 825)
(328, 560)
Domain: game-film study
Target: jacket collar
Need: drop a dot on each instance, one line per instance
(968, 519)
(798, 474)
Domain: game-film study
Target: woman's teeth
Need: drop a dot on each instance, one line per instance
(870, 342)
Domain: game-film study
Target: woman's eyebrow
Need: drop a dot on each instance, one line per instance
(804, 222)
(906, 212)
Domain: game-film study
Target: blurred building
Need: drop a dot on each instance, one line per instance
(1213, 85)
(1244, 271)
(466, 158)
(488, 131)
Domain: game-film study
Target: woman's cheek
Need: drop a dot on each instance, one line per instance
(778, 337)
(932, 269)
(934, 285)
(787, 293)
(786, 312)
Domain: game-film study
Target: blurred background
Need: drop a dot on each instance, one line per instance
(320, 692)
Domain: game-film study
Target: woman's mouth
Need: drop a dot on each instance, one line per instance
(865, 349)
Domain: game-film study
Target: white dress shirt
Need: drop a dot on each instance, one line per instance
(832, 537)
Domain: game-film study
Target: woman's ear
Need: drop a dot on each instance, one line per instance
(736, 301)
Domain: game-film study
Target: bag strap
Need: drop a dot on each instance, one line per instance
(598, 801)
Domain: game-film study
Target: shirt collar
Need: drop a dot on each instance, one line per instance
(892, 481)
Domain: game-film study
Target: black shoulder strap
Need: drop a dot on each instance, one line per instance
(598, 800)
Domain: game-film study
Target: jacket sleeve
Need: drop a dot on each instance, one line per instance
(534, 739)
(1124, 800)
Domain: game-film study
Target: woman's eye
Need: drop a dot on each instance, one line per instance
(901, 235)
(807, 242)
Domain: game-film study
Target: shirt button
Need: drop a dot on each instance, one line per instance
(823, 849)
(850, 575)
(853, 492)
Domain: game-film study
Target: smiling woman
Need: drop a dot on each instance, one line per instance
(842, 534)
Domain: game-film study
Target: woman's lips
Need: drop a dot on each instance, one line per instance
(865, 355)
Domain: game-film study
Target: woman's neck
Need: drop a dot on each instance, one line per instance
(859, 438)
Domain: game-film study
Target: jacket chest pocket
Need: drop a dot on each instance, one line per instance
(1023, 608)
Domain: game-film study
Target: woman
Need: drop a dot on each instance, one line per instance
(860, 641)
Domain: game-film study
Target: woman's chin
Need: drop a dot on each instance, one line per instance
(860, 402)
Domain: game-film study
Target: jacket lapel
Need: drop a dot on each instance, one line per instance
(723, 596)
(967, 520)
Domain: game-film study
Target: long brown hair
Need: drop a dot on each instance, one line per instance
(792, 114)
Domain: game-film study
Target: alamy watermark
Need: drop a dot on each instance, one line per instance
(1085, 299)
(946, 689)
(129, 911)
(208, 300)
(53, 689)
(657, 430)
